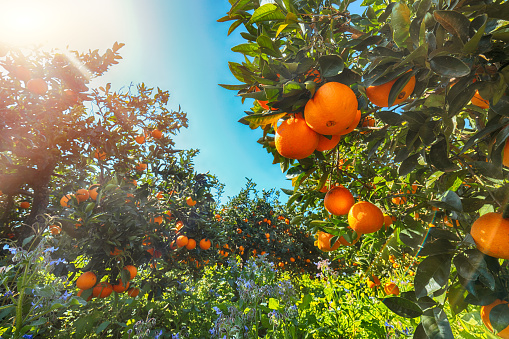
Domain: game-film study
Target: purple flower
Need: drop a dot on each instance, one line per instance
(27, 336)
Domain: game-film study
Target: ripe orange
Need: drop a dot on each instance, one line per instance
(140, 139)
(191, 244)
(156, 134)
(338, 200)
(479, 101)
(332, 109)
(387, 221)
(294, 139)
(133, 292)
(179, 225)
(120, 287)
(37, 86)
(158, 220)
(391, 288)
(86, 280)
(371, 284)
(379, 95)
(82, 195)
(190, 201)
(22, 73)
(398, 200)
(133, 271)
(205, 244)
(24, 205)
(364, 217)
(141, 167)
(325, 144)
(64, 201)
(55, 229)
(491, 235)
(116, 251)
(324, 242)
(92, 191)
(505, 159)
(353, 124)
(182, 241)
(100, 155)
(485, 316)
(102, 290)
(368, 122)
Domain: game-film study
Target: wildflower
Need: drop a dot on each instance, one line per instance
(65, 295)
(58, 261)
(27, 336)
(175, 336)
(388, 325)
(217, 310)
(8, 294)
(50, 249)
(11, 249)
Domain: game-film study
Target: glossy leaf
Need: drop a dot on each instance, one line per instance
(432, 274)
(454, 22)
(438, 156)
(402, 307)
(499, 317)
(390, 118)
(408, 165)
(400, 22)
(267, 12)
(264, 119)
(331, 65)
(449, 66)
(436, 325)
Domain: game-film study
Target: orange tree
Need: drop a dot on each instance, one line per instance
(100, 168)
(428, 144)
(255, 223)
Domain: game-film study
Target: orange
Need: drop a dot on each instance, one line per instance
(371, 284)
(102, 290)
(485, 316)
(324, 242)
(479, 101)
(158, 220)
(64, 201)
(140, 139)
(190, 201)
(387, 221)
(141, 167)
(120, 287)
(205, 244)
(368, 122)
(191, 244)
(100, 155)
(391, 288)
(332, 109)
(491, 235)
(294, 139)
(364, 217)
(179, 225)
(379, 95)
(133, 292)
(338, 200)
(325, 144)
(156, 134)
(314, 74)
(133, 271)
(37, 86)
(24, 205)
(82, 195)
(22, 73)
(86, 280)
(116, 251)
(353, 124)
(398, 200)
(505, 160)
(92, 191)
(182, 241)
(55, 229)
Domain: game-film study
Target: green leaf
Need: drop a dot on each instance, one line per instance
(436, 325)
(234, 87)
(102, 327)
(402, 307)
(487, 169)
(330, 65)
(267, 12)
(418, 55)
(292, 88)
(482, 133)
(408, 165)
(267, 45)
(461, 100)
(305, 302)
(454, 22)
(27, 240)
(449, 66)
(400, 23)
(250, 49)
(439, 158)
(499, 317)
(452, 201)
(471, 45)
(468, 267)
(432, 274)
(234, 25)
(390, 118)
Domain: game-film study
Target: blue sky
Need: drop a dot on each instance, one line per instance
(176, 45)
